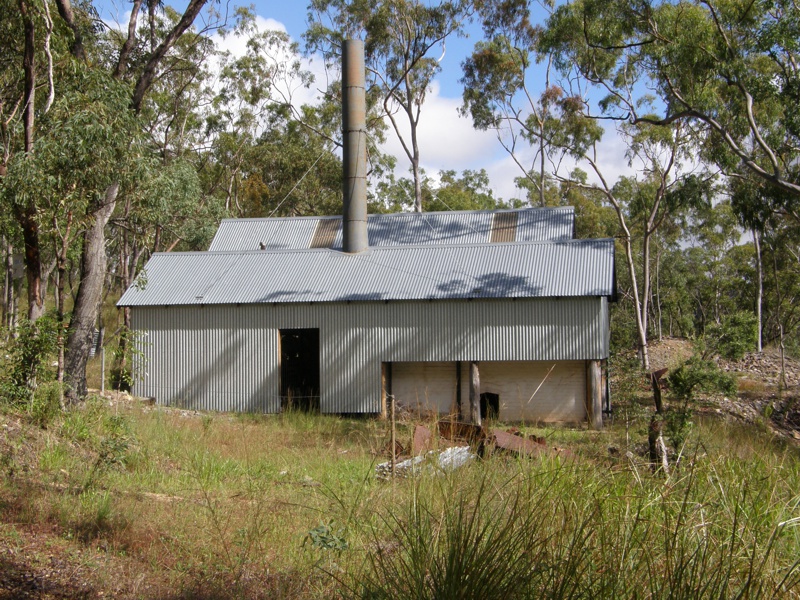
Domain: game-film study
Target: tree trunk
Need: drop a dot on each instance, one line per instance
(416, 169)
(594, 394)
(8, 280)
(33, 262)
(474, 393)
(26, 217)
(655, 434)
(778, 316)
(641, 328)
(759, 288)
(130, 41)
(84, 315)
(11, 291)
(658, 295)
(65, 10)
(61, 269)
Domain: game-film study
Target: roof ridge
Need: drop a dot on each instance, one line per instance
(411, 214)
(386, 248)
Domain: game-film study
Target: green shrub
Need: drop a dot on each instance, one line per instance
(734, 337)
(693, 376)
(24, 360)
(46, 404)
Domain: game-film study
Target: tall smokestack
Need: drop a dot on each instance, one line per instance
(354, 130)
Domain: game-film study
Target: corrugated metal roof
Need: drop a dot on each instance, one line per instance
(458, 227)
(518, 270)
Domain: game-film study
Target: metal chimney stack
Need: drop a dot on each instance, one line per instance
(354, 130)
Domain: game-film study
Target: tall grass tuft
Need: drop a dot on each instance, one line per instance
(565, 530)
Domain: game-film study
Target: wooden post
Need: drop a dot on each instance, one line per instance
(474, 393)
(394, 434)
(384, 390)
(458, 391)
(594, 394)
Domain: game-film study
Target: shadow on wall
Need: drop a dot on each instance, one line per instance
(209, 388)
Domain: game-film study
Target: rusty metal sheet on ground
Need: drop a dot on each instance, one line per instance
(516, 443)
(454, 430)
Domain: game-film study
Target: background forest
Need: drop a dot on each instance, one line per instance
(117, 143)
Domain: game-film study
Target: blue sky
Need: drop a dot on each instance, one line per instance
(447, 140)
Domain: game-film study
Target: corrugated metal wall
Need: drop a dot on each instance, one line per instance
(226, 357)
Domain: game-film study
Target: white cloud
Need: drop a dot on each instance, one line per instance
(287, 89)
(237, 45)
(611, 162)
(446, 140)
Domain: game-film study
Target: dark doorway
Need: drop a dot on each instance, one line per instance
(490, 406)
(300, 369)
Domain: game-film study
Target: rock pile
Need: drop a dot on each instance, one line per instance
(765, 367)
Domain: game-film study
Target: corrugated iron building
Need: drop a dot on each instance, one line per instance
(275, 312)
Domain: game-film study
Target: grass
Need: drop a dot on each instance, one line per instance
(167, 503)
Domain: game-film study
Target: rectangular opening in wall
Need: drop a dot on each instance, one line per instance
(300, 369)
(490, 406)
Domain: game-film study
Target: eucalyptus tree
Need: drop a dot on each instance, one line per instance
(468, 191)
(448, 191)
(404, 44)
(94, 262)
(86, 143)
(266, 141)
(28, 47)
(504, 92)
(713, 236)
(592, 218)
(167, 205)
(728, 69)
(291, 171)
(564, 121)
(272, 153)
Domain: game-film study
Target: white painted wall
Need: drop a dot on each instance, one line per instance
(531, 391)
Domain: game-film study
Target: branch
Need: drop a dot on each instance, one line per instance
(149, 71)
(774, 178)
(29, 67)
(717, 23)
(51, 91)
(129, 41)
(65, 10)
(754, 128)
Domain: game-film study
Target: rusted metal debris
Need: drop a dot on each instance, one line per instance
(465, 432)
(399, 449)
(514, 442)
(659, 374)
(422, 440)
